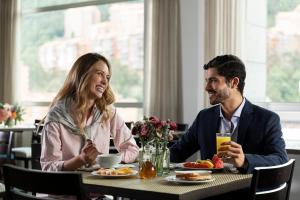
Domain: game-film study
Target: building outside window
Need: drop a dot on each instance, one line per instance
(283, 65)
(53, 34)
(272, 57)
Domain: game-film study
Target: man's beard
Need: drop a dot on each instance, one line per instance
(218, 96)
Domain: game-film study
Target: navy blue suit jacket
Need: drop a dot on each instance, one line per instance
(259, 133)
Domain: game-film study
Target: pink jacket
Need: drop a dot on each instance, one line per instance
(58, 144)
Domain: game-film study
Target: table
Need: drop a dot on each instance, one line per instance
(20, 153)
(17, 128)
(158, 188)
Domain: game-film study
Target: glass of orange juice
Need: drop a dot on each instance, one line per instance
(222, 137)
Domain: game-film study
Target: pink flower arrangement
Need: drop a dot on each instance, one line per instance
(10, 114)
(154, 135)
(152, 129)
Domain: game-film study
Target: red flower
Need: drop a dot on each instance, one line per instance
(154, 119)
(173, 126)
(4, 115)
(144, 131)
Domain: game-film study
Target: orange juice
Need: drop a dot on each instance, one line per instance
(220, 140)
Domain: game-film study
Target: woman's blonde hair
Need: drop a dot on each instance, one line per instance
(77, 87)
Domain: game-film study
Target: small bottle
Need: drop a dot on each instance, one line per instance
(147, 170)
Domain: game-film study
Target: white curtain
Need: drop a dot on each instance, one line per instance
(8, 55)
(223, 29)
(163, 92)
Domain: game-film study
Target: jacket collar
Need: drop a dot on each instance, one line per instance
(245, 119)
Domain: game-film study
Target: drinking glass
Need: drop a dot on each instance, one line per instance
(222, 137)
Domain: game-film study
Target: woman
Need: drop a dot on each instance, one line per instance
(81, 119)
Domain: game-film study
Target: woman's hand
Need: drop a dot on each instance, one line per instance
(89, 153)
(86, 157)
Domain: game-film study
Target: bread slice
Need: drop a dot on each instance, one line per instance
(193, 176)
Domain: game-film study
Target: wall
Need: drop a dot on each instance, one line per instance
(254, 48)
(192, 37)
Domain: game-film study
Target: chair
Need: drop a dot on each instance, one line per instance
(36, 145)
(2, 190)
(181, 129)
(6, 142)
(129, 124)
(8, 154)
(36, 134)
(26, 153)
(272, 183)
(22, 153)
(20, 182)
(36, 155)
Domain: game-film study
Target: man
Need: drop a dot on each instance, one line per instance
(255, 132)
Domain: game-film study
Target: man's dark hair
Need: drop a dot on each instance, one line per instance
(229, 66)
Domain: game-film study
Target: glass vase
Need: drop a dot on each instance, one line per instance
(146, 168)
(10, 122)
(161, 159)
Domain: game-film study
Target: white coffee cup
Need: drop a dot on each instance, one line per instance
(108, 160)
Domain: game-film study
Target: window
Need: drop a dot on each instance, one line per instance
(272, 40)
(283, 53)
(283, 65)
(55, 33)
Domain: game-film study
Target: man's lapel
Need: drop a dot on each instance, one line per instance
(214, 126)
(245, 119)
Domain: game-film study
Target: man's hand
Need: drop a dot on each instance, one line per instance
(232, 152)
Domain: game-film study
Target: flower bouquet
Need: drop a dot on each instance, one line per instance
(10, 114)
(154, 136)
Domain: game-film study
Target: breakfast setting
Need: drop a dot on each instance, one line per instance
(109, 166)
(197, 172)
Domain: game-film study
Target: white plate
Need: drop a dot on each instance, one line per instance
(193, 171)
(173, 179)
(124, 165)
(89, 169)
(115, 176)
(97, 166)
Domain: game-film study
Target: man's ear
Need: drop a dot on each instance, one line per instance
(235, 82)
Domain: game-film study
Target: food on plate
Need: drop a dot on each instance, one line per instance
(206, 163)
(193, 176)
(216, 162)
(112, 171)
(124, 171)
(199, 164)
(103, 171)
